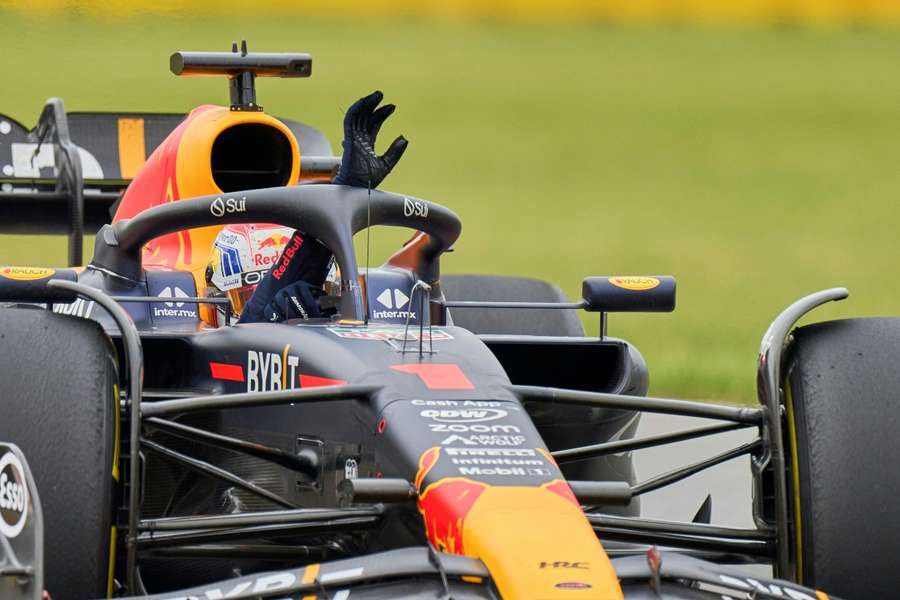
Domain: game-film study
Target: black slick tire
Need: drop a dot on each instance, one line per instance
(843, 415)
(58, 403)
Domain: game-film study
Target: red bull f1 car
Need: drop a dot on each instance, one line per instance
(433, 437)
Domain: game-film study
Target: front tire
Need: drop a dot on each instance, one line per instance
(843, 442)
(59, 404)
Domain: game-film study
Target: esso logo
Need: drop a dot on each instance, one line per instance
(464, 415)
(13, 496)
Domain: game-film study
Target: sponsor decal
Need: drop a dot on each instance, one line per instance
(275, 240)
(279, 270)
(351, 469)
(383, 334)
(267, 245)
(13, 496)
(267, 584)
(476, 428)
(778, 590)
(393, 299)
(80, 308)
(489, 452)
(564, 564)
(252, 277)
(476, 415)
(467, 403)
(636, 284)
(414, 208)
(479, 471)
(485, 440)
(573, 585)
(175, 308)
(26, 273)
(31, 160)
(269, 371)
(221, 207)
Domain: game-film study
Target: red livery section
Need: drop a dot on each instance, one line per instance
(438, 376)
(226, 372)
(307, 381)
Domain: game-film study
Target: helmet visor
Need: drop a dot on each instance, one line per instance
(239, 297)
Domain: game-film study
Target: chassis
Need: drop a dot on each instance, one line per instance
(367, 419)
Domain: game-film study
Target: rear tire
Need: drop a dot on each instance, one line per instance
(497, 288)
(58, 403)
(843, 434)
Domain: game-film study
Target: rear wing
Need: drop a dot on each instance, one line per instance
(66, 175)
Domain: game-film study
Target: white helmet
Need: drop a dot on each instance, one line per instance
(240, 257)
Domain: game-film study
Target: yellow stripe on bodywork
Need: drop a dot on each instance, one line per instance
(309, 575)
(132, 153)
(795, 472)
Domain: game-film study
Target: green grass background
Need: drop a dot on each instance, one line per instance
(756, 165)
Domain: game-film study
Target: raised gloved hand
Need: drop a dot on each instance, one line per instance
(296, 301)
(360, 165)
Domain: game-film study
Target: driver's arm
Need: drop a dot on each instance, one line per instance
(290, 287)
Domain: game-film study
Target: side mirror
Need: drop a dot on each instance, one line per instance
(629, 294)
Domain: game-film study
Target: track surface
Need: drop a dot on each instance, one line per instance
(728, 483)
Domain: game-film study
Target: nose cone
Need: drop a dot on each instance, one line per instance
(535, 541)
(538, 545)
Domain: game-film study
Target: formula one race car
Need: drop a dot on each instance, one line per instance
(434, 437)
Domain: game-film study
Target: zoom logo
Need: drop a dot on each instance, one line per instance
(414, 208)
(13, 496)
(220, 207)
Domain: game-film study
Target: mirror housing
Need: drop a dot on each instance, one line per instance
(629, 293)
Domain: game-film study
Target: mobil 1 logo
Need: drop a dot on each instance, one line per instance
(13, 496)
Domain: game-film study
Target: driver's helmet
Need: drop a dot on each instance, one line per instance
(240, 257)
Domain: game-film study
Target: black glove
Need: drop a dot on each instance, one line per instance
(303, 260)
(360, 166)
(296, 301)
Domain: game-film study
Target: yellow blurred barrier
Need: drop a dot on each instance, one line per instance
(815, 12)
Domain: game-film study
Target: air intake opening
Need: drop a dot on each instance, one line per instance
(250, 156)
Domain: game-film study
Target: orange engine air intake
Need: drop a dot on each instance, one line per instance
(213, 151)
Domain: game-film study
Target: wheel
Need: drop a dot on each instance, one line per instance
(843, 413)
(59, 403)
(496, 288)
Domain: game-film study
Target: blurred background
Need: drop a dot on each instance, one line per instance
(748, 147)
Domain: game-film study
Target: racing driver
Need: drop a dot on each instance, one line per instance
(289, 290)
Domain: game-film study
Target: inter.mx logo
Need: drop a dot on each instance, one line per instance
(394, 300)
(173, 309)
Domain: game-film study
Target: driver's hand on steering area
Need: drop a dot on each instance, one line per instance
(287, 290)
